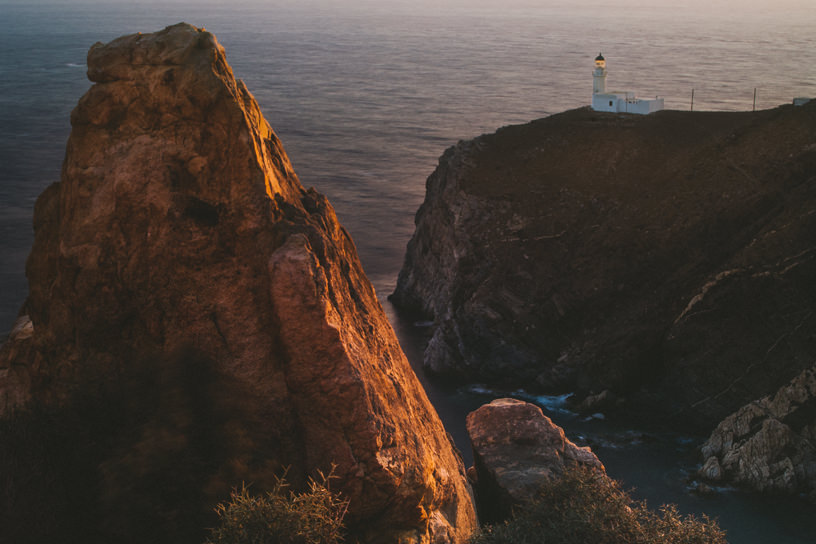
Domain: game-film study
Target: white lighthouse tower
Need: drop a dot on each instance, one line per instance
(617, 101)
(599, 75)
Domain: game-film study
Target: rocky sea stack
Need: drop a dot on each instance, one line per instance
(668, 259)
(197, 319)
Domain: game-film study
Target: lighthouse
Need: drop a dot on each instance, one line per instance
(599, 75)
(617, 101)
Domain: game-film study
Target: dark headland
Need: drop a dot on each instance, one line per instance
(662, 265)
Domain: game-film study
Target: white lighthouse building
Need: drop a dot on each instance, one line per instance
(617, 101)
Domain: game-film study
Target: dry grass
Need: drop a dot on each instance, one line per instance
(584, 507)
(281, 516)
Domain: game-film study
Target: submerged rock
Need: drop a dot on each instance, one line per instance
(198, 319)
(516, 449)
(666, 258)
(595, 403)
(769, 444)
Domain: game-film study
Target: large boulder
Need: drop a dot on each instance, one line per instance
(769, 444)
(198, 319)
(516, 449)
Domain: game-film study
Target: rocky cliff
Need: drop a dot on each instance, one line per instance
(197, 319)
(668, 258)
(769, 444)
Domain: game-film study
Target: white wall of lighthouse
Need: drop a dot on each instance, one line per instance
(599, 76)
(618, 101)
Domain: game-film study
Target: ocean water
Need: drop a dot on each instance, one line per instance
(367, 95)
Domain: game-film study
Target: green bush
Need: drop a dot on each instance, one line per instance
(281, 516)
(584, 506)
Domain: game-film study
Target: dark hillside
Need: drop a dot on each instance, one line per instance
(669, 257)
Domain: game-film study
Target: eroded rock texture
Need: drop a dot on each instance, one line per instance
(516, 449)
(667, 258)
(197, 319)
(769, 444)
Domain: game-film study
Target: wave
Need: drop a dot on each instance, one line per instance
(554, 404)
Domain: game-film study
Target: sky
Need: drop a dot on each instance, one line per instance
(432, 5)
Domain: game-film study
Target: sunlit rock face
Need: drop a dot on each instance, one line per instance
(517, 449)
(196, 320)
(769, 444)
(668, 258)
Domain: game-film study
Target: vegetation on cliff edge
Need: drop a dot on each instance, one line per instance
(584, 506)
(282, 516)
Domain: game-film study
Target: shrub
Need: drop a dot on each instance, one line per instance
(585, 506)
(281, 516)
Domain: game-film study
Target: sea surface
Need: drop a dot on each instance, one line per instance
(367, 95)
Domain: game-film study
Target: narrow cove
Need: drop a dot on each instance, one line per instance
(656, 464)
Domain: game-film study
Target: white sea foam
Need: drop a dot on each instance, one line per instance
(553, 404)
(423, 324)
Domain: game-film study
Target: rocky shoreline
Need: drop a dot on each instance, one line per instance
(768, 445)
